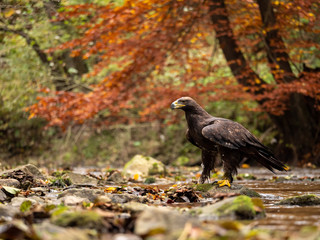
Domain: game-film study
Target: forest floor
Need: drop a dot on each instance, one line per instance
(165, 203)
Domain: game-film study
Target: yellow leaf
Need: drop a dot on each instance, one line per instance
(31, 116)
(193, 40)
(9, 13)
(136, 177)
(245, 165)
(311, 14)
(110, 189)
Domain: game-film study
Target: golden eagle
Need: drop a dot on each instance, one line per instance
(230, 139)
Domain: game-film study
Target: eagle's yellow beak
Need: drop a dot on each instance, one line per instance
(176, 105)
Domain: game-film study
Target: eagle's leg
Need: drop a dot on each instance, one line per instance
(231, 160)
(208, 160)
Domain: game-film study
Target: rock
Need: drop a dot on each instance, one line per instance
(7, 212)
(134, 206)
(49, 231)
(10, 182)
(115, 176)
(240, 207)
(125, 197)
(73, 200)
(3, 196)
(17, 201)
(27, 175)
(143, 166)
(82, 180)
(38, 199)
(150, 180)
(90, 194)
(103, 199)
(82, 219)
(160, 220)
(15, 229)
(303, 200)
(126, 236)
(209, 189)
(29, 170)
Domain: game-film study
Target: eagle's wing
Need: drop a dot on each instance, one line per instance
(233, 135)
(229, 134)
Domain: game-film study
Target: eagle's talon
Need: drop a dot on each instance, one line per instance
(222, 183)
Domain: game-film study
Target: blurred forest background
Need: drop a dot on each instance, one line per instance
(91, 82)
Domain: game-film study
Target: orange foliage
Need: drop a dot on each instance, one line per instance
(164, 50)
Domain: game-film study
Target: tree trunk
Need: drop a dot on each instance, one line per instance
(299, 123)
(278, 57)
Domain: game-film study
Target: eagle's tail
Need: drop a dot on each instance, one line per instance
(268, 160)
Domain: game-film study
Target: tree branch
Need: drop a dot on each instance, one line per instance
(275, 47)
(238, 64)
(30, 41)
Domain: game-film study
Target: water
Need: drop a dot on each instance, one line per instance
(289, 218)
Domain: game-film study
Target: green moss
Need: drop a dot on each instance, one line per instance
(203, 187)
(85, 219)
(241, 206)
(181, 161)
(246, 176)
(155, 169)
(61, 181)
(303, 200)
(250, 193)
(150, 180)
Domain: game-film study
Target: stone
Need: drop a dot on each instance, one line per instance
(134, 207)
(88, 193)
(237, 208)
(28, 169)
(103, 199)
(303, 200)
(7, 212)
(210, 189)
(10, 182)
(161, 220)
(115, 177)
(125, 197)
(3, 196)
(15, 229)
(126, 236)
(49, 231)
(82, 219)
(143, 166)
(80, 179)
(17, 201)
(73, 200)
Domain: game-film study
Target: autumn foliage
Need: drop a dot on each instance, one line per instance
(165, 49)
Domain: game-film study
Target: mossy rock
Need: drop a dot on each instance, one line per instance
(143, 166)
(150, 180)
(303, 200)
(240, 208)
(209, 189)
(82, 219)
(203, 187)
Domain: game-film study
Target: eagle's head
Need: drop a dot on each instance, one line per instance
(184, 103)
